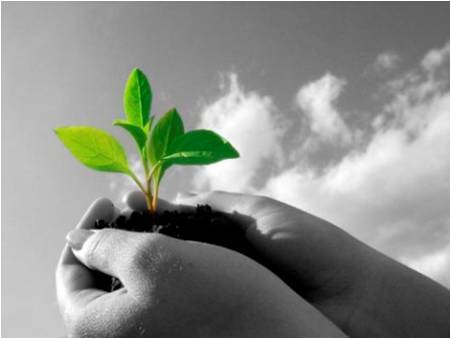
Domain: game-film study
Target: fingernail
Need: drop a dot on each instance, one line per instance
(77, 238)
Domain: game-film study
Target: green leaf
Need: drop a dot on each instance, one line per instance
(137, 98)
(137, 132)
(94, 148)
(148, 126)
(199, 147)
(167, 129)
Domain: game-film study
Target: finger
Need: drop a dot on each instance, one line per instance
(137, 202)
(114, 252)
(102, 208)
(71, 276)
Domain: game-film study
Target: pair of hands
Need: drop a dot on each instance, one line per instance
(321, 282)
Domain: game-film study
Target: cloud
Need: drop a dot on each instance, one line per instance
(250, 122)
(317, 102)
(386, 61)
(432, 265)
(393, 193)
(435, 57)
(385, 192)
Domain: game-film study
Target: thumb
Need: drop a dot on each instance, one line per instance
(113, 252)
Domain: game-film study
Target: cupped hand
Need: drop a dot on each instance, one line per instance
(174, 288)
(361, 290)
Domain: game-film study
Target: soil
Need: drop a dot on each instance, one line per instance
(204, 225)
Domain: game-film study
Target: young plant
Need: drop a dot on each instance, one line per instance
(160, 146)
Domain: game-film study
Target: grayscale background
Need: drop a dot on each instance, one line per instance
(341, 109)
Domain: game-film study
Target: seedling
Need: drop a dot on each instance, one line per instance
(160, 146)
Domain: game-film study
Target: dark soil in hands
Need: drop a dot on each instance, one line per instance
(204, 225)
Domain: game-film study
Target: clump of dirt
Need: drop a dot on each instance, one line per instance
(203, 224)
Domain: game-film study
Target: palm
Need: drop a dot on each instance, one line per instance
(305, 252)
(319, 261)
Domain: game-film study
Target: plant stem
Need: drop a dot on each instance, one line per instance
(151, 199)
(147, 192)
(155, 196)
(149, 202)
(152, 171)
(144, 162)
(136, 180)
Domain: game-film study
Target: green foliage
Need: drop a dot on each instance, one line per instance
(166, 130)
(160, 146)
(138, 133)
(148, 126)
(137, 98)
(199, 147)
(94, 148)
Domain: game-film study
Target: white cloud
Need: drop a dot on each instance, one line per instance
(317, 101)
(249, 121)
(386, 61)
(394, 194)
(388, 183)
(432, 265)
(435, 57)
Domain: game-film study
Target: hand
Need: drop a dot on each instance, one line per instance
(362, 291)
(174, 288)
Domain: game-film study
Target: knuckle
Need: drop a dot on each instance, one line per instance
(102, 206)
(103, 201)
(147, 251)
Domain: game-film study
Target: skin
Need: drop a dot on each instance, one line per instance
(173, 288)
(362, 291)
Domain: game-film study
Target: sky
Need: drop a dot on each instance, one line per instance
(339, 109)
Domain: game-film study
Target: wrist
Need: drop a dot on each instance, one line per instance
(399, 302)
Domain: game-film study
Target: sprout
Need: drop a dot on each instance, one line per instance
(160, 146)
